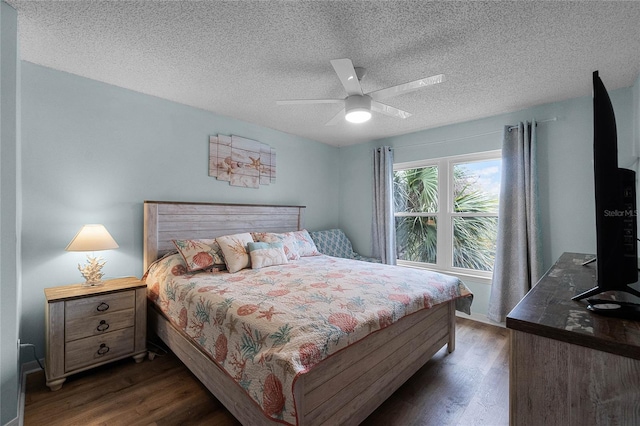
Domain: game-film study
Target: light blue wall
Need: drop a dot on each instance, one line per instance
(565, 161)
(9, 213)
(93, 152)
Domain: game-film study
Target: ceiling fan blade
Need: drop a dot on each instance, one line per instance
(309, 101)
(389, 110)
(336, 118)
(406, 87)
(347, 75)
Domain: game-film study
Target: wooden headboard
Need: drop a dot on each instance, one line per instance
(165, 221)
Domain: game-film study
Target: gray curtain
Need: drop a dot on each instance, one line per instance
(383, 229)
(518, 255)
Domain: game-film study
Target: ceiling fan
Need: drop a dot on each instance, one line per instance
(358, 105)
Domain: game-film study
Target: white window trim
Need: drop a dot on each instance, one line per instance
(463, 274)
(445, 214)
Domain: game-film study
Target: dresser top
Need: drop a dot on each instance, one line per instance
(548, 311)
(75, 291)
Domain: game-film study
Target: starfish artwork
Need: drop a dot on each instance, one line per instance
(241, 161)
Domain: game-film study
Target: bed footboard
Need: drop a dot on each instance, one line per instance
(350, 385)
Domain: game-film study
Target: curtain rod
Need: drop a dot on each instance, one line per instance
(470, 136)
(541, 121)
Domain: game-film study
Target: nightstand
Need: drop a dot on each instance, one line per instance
(90, 326)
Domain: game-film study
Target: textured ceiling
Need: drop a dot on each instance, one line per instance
(237, 58)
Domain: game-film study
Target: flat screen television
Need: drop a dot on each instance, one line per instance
(615, 191)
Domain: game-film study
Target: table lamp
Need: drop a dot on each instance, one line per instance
(92, 238)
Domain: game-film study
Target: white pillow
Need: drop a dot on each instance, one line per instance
(234, 248)
(304, 243)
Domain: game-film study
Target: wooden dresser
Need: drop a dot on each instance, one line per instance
(90, 326)
(569, 366)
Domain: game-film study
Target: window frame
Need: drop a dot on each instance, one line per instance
(445, 214)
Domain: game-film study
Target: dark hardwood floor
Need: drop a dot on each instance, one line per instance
(467, 387)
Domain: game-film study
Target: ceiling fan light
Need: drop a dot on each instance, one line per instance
(358, 108)
(358, 115)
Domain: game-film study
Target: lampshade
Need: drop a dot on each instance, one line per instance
(358, 108)
(92, 238)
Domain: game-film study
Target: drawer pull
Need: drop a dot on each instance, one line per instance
(102, 307)
(103, 326)
(103, 349)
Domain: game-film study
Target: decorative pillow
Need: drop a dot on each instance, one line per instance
(333, 242)
(266, 254)
(287, 239)
(200, 254)
(304, 244)
(234, 248)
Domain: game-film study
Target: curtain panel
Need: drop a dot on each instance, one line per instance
(518, 260)
(383, 226)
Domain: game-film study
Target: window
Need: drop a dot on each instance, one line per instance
(446, 213)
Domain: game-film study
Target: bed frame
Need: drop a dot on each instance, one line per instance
(346, 387)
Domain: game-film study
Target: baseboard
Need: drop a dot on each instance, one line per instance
(480, 318)
(26, 369)
(14, 422)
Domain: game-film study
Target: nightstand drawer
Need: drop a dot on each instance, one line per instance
(99, 305)
(98, 325)
(92, 350)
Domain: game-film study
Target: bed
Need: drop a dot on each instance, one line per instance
(341, 383)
